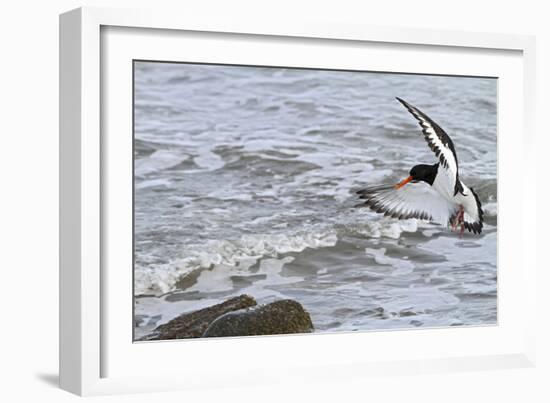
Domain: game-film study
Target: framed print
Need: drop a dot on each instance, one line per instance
(252, 194)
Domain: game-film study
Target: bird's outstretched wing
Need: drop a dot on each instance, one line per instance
(440, 143)
(416, 200)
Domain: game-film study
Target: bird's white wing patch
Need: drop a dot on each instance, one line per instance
(441, 144)
(415, 200)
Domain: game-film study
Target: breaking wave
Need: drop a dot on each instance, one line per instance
(161, 279)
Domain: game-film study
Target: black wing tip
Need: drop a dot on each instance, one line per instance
(368, 196)
(412, 109)
(440, 133)
(475, 227)
(479, 224)
(402, 101)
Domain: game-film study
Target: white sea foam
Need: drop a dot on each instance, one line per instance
(429, 232)
(160, 279)
(158, 161)
(153, 183)
(402, 266)
(491, 209)
(229, 194)
(388, 228)
(420, 298)
(453, 248)
(208, 160)
(272, 268)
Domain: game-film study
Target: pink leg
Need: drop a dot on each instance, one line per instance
(461, 220)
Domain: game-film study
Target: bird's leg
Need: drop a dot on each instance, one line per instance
(461, 220)
(456, 221)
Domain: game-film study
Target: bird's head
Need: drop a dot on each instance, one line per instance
(421, 172)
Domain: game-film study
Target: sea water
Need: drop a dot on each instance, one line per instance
(245, 180)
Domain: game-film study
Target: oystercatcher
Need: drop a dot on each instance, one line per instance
(430, 192)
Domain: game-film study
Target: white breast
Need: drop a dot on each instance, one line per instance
(465, 199)
(442, 185)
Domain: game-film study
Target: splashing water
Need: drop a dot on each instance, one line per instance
(245, 180)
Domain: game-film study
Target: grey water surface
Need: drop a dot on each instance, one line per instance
(245, 180)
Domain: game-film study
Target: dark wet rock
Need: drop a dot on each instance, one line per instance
(194, 324)
(279, 317)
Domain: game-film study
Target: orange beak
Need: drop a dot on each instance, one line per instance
(403, 182)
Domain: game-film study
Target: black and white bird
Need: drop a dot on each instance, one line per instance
(430, 192)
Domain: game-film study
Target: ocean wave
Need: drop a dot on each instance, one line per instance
(383, 227)
(401, 266)
(237, 256)
(161, 279)
(158, 161)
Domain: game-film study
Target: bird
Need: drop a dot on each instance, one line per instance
(432, 192)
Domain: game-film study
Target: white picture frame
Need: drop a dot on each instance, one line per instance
(92, 355)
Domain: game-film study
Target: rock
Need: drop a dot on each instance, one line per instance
(279, 317)
(194, 324)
